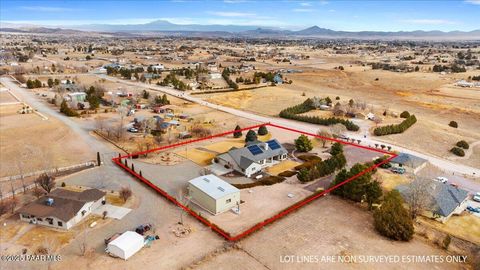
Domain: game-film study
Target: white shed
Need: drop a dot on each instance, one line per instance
(125, 245)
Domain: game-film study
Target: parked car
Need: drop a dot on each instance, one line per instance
(142, 229)
(473, 209)
(132, 129)
(441, 179)
(476, 197)
(398, 170)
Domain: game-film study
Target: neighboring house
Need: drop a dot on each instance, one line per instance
(62, 208)
(76, 96)
(213, 194)
(158, 67)
(411, 163)
(215, 75)
(278, 79)
(253, 157)
(443, 200)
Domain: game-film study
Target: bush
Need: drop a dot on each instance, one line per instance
(463, 144)
(392, 219)
(458, 151)
(63, 184)
(309, 158)
(446, 241)
(266, 181)
(453, 124)
(304, 175)
(199, 131)
(67, 110)
(395, 129)
(287, 174)
(125, 193)
(405, 114)
(303, 144)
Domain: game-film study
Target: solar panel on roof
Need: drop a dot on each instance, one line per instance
(255, 150)
(273, 145)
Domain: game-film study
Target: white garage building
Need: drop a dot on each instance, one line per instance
(213, 194)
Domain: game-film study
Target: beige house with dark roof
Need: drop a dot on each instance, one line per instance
(62, 208)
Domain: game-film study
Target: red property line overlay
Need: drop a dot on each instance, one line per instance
(262, 224)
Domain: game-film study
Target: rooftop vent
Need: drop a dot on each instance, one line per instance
(206, 180)
(221, 189)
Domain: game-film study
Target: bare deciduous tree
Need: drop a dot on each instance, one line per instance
(337, 129)
(324, 134)
(418, 196)
(184, 199)
(46, 181)
(125, 193)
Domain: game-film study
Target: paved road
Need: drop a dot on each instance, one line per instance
(447, 165)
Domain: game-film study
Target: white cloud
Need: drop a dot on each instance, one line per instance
(473, 2)
(231, 14)
(303, 10)
(46, 9)
(306, 4)
(331, 10)
(428, 21)
(323, 3)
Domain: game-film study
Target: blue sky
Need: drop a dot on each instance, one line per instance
(337, 15)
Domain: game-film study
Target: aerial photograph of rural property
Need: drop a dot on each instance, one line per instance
(239, 134)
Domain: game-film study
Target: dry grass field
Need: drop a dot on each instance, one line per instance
(465, 226)
(37, 143)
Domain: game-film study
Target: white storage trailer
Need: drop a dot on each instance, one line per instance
(125, 245)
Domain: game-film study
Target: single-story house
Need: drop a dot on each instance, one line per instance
(443, 200)
(76, 96)
(213, 194)
(252, 158)
(215, 75)
(411, 163)
(62, 208)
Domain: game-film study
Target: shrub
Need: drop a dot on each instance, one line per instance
(200, 131)
(463, 144)
(458, 151)
(453, 124)
(287, 174)
(125, 193)
(266, 181)
(63, 184)
(405, 114)
(309, 158)
(67, 110)
(304, 175)
(303, 143)
(392, 219)
(446, 241)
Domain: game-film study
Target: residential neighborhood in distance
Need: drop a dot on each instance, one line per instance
(220, 135)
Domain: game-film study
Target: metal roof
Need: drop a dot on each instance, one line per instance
(213, 186)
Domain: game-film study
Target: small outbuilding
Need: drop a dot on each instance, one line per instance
(213, 194)
(125, 245)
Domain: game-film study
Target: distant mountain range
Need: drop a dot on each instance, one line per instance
(163, 27)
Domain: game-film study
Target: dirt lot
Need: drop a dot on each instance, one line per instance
(29, 139)
(332, 227)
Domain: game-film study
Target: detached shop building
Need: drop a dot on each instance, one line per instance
(213, 194)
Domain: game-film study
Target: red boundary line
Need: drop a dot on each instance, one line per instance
(262, 224)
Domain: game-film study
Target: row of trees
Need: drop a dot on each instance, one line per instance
(173, 80)
(34, 83)
(226, 76)
(395, 129)
(454, 68)
(294, 111)
(52, 83)
(162, 100)
(326, 167)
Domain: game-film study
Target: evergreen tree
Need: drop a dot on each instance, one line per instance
(392, 219)
(303, 143)
(237, 133)
(262, 130)
(373, 193)
(251, 136)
